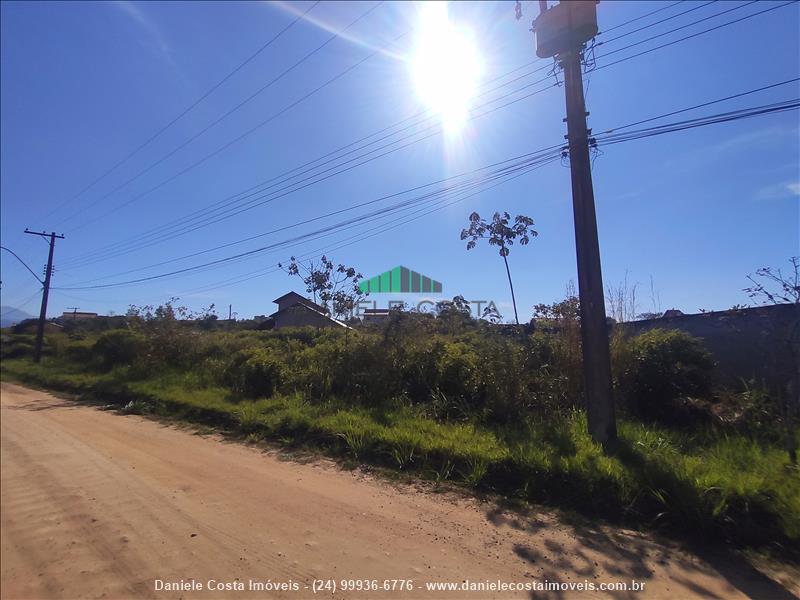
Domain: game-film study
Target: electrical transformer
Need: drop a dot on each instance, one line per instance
(565, 26)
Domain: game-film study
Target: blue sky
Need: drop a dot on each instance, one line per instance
(83, 84)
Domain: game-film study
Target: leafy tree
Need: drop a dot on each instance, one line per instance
(502, 233)
(169, 340)
(453, 315)
(333, 287)
(568, 309)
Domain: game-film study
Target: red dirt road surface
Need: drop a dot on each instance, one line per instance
(97, 505)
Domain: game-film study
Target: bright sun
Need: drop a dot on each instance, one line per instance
(446, 65)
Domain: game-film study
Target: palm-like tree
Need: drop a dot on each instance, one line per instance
(500, 232)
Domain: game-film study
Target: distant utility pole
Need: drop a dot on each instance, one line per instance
(230, 314)
(37, 351)
(74, 310)
(561, 31)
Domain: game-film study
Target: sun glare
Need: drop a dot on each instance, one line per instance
(445, 66)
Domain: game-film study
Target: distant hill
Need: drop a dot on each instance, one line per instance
(10, 315)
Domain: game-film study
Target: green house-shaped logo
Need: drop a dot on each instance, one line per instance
(400, 280)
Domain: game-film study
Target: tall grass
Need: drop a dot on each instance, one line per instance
(702, 481)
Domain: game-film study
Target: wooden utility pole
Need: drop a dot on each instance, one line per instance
(562, 31)
(37, 351)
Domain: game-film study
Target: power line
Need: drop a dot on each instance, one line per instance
(306, 182)
(14, 254)
(137, 243)
(639, 18)
(321, 217)
(360, 237)
(725, 117)
(212, 124)
(183, 113)
(360, 205)
(235, 140)
(530, 159)
(292, 173)
(394, 133)
(349, 241)
(18, 305)
(776, 107)
(693, 35)
(793, 104)
(685, 12)
(704, 104)
(311, 162)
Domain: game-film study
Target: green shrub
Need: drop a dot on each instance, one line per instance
(211, 371)
(458, 372)
(172, 341)
(752, 409)
(16, 346)
(718, 484)
(18, 350)
(420, 364)
(658, 369)
(364, 370)
(357, 366)
(80, 351)
(503, 374)
(254, 372)
(118, 347)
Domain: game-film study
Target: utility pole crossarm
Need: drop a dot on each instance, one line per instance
(45, 234)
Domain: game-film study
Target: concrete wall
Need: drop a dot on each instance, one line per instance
(761, 343)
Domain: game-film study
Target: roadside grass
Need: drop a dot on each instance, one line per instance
(701, 483)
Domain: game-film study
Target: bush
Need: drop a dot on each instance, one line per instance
(211, 371)
(753, 410)
(79, 351)
(172, 341)
(512, 395)
(659, 369)
(366, 372)
(458, 370)
(17, 349)
(24, 326)
(118, 347)
(254, 373)
(507, 371)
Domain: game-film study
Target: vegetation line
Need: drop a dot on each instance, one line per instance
(486, 407)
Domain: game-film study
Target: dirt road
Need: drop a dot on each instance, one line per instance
(99, 505)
